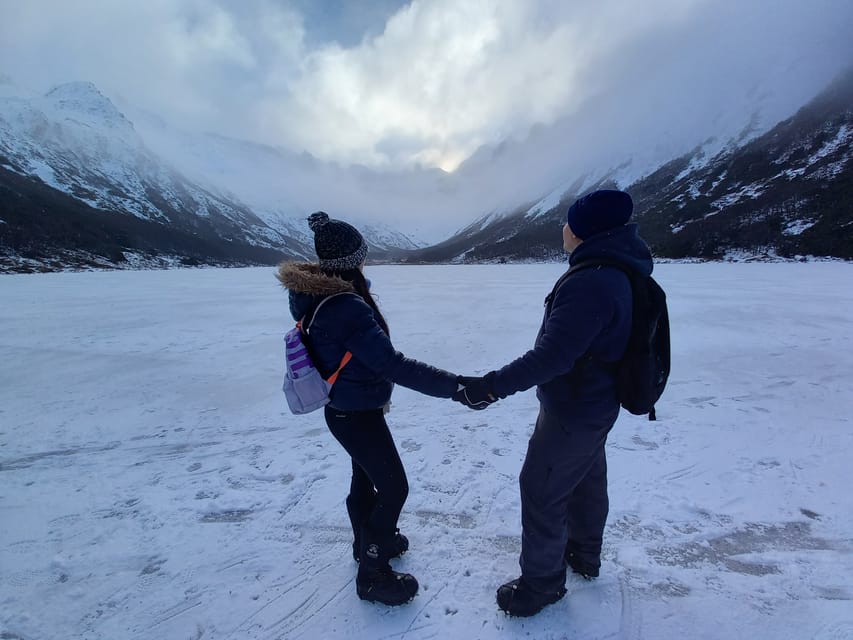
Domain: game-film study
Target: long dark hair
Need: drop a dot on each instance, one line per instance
(359, 283)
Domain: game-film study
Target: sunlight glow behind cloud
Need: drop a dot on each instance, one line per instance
(447, 77)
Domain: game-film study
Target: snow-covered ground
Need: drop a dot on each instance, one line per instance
(153, 484)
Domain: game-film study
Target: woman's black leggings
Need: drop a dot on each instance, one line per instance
(379, 486)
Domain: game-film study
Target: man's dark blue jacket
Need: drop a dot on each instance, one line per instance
(584, 332)
(347, 323)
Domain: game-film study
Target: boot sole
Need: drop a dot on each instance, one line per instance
(586, 575)
(391, 603)
(527, 614)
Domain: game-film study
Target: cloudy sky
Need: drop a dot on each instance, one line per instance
(395, 85)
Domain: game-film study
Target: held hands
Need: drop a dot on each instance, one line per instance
(475, 393)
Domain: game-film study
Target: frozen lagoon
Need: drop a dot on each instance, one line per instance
(153, 484)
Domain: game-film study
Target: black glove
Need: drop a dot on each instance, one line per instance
(476, 393)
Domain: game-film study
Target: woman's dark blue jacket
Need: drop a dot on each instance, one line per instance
(584, 333)
(347, 323)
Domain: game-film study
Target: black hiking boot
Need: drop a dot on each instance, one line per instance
(585, 569)
(517, 598)
(400, 546)
(382, 584)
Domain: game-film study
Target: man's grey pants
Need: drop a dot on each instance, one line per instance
(563, 497)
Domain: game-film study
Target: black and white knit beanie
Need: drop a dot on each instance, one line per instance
(339, 246)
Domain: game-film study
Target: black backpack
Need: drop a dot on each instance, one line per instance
(642, 372)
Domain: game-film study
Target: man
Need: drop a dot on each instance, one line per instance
(584, 334)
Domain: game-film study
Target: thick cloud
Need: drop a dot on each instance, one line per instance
(452, 76)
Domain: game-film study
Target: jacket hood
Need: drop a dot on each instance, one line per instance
(307, 278)
(623, 245)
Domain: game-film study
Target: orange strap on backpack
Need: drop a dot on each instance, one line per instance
(344, 361)
(347, 357)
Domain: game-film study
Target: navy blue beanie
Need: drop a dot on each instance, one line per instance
(599, 211)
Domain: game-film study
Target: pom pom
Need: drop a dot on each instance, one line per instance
(317, 220)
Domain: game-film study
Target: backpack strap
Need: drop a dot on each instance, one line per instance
(333, 378)
(601, 262)
(580, 266)
(585, 360)
(306, 329)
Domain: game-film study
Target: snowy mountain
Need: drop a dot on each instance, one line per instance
(73, 150)
(272, 181)
(83, 182)
(786, 192)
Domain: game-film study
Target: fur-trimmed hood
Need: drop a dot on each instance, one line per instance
(308, 279)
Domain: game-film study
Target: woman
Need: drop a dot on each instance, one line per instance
(350, 321)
